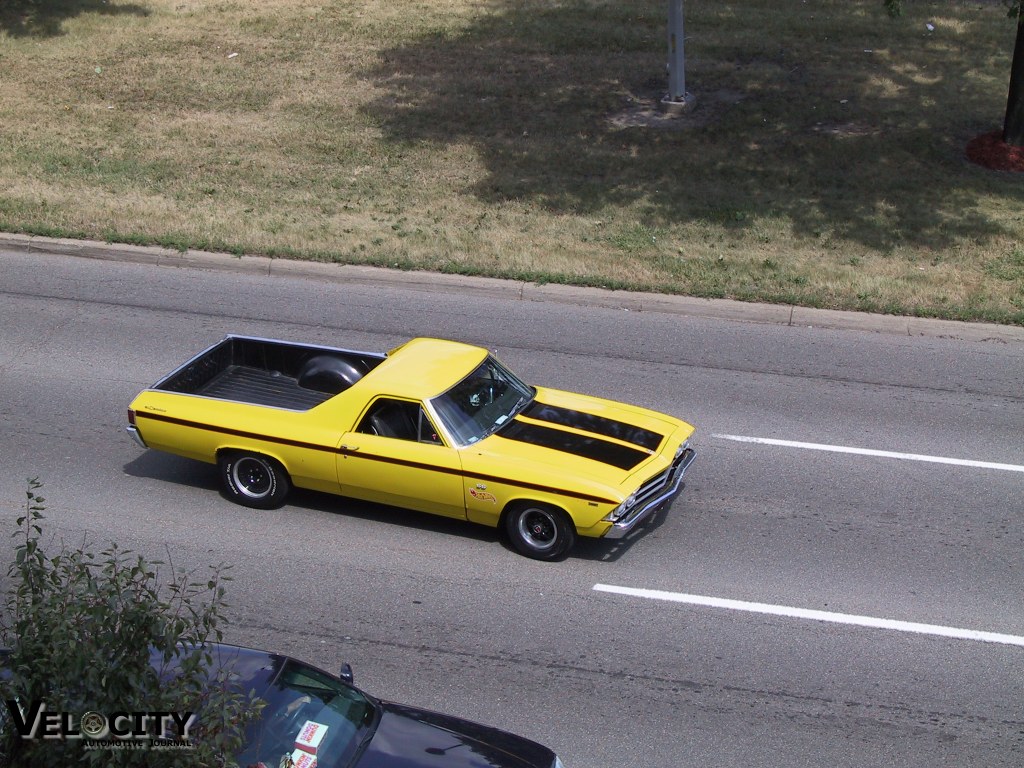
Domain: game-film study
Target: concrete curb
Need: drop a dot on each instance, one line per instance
(723, 309)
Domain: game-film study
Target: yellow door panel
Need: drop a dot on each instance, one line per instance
(403, 473)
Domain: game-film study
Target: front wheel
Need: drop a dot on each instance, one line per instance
(254, 480)
(539, 531)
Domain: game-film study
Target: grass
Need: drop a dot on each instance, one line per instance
(821, 165)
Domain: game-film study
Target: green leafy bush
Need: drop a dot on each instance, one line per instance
(109, 633)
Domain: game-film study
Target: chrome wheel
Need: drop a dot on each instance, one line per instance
(539, 530)
(253, 477)
(254, 480)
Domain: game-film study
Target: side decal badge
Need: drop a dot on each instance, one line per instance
(481, 495)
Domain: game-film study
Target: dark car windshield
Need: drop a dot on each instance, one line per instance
(482, 402)
(304, 705)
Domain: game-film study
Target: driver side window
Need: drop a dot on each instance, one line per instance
(399, 419)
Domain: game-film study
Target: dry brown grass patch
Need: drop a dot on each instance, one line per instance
(822, 163)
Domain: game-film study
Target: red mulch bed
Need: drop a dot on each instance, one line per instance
(990, 151)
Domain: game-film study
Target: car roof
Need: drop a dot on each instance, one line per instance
(423, 368)
(247, 666)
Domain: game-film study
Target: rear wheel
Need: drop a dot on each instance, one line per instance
(254, 480)
(539, 531)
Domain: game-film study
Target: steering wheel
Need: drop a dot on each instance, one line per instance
(484, 396)
(288, 722)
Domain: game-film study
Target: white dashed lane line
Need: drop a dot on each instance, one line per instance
(872, 452)
(826, 616)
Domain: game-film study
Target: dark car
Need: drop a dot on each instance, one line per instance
(358, 730)
(313, 719)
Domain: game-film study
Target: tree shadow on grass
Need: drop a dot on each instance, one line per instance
(559, 102)
(45, 18)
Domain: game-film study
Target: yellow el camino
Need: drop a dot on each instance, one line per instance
(436, 426)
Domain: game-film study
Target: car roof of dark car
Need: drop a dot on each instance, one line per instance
(246, 668)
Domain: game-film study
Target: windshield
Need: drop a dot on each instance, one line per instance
(479, 404)
(307, 710)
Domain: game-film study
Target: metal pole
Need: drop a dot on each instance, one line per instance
(676, 59)
(1013, 122)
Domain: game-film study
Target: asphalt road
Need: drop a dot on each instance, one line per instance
(444, 615)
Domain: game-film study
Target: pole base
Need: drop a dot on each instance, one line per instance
(678, 106)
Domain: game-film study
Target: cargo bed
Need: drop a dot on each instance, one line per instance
(272, 373)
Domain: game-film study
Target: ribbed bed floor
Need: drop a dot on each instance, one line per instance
(260, 387)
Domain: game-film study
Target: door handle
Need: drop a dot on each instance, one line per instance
(349, 447)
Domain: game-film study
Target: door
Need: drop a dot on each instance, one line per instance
(395, 456)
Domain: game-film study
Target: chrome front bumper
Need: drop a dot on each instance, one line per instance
(635, 516)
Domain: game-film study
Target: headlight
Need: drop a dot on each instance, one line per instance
(620, 510)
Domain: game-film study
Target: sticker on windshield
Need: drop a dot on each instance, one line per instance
(310, 736)
(298, 759)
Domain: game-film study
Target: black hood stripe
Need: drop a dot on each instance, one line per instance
(599, 425)
(621, 456)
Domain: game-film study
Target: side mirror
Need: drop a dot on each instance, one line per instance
(346, 673)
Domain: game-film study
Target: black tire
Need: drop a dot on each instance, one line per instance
(539, 530)
(253, 480)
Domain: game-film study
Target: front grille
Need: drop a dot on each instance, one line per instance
(654, 487)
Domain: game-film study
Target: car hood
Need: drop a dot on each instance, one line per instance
(407, 737)
(601, 442)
